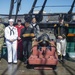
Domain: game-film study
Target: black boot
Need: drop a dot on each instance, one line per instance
(59, 57)
(25, 57)
(25, 60)
(63, 59)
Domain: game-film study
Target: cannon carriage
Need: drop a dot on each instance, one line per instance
(43, 53)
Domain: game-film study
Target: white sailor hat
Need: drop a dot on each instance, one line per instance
(11, 20)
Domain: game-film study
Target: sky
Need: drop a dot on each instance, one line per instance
(26, 6)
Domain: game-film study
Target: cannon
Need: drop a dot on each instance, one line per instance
(43, 55)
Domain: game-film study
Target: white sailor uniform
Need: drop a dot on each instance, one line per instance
(11, 34)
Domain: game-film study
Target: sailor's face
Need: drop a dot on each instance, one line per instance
(19, 23)
(11, 23)
(26, 24)
(34, 20)
(61, 21)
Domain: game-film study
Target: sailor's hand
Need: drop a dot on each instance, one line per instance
(19, 38)
(34, 39)
(11, 40)
(60, 37)
(67, 25)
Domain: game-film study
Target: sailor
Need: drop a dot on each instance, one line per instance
(19, 26)
(61, 31)
(2, 27)
(35, 26)
(27, 33)
(11, 36)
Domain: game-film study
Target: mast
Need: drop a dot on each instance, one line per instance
(69, 15)
(11, 8)
(17, 9)
(39, 16)
(34, 3)
(29, 15)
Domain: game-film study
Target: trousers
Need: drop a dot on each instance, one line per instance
(12, 51)
(1, 45)
(19, 49)
(61, 46)
(27, 49)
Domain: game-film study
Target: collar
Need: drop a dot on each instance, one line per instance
(11, 27)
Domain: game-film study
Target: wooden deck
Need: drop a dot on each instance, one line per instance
(67, 68)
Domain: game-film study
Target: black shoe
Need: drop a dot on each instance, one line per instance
(25, 62)
(14, 63)
(9, 62)
(29, 66)
(59, 57)
(63, 57)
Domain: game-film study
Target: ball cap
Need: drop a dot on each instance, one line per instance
(11, 20)
(18, 20)
(28, 18)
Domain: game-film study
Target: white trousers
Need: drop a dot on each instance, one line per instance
(12, 51)
(61, 46)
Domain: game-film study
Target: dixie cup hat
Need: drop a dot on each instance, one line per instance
(11, 20)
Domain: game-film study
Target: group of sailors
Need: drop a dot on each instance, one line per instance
(18, 38)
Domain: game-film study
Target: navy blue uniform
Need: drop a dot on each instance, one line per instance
(61, 30)
(27, 34)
